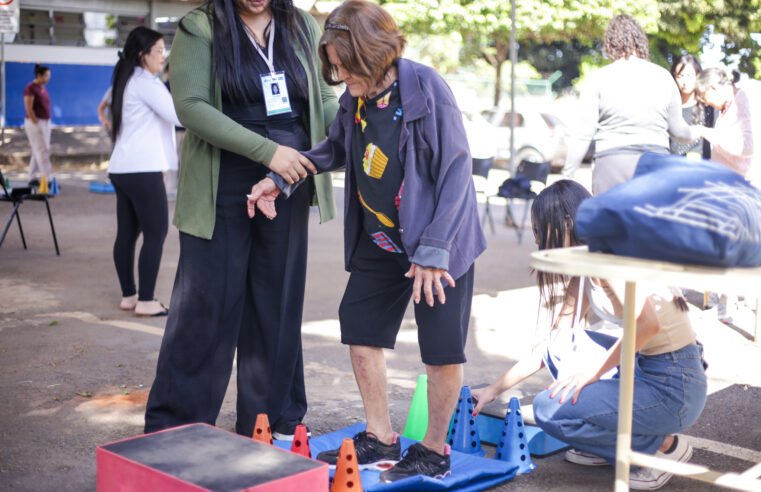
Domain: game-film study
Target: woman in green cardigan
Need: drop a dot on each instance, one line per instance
(245, 85)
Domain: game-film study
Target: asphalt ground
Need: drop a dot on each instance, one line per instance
(75, 370)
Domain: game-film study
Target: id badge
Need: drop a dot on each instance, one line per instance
(275, 93)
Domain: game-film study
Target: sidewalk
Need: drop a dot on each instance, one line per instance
(69, 145)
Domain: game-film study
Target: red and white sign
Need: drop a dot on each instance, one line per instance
(9, 16)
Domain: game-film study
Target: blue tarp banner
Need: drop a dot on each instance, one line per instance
(677, 210)
(469, 473)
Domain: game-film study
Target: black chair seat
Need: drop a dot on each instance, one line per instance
(17, 197)
(520, 188)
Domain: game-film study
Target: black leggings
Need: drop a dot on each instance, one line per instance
(141, 206)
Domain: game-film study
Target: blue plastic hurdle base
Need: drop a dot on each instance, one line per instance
(100, 187)
(539, 443)
(469, 473)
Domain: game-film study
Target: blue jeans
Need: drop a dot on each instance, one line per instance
(669, 395)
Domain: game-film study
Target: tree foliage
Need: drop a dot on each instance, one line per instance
(568, 30)
(485, 24)
(684, 24)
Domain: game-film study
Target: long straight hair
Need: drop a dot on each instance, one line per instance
(139, 43)
(553, 215)
(234, 56)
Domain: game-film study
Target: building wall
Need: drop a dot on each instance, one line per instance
(80, 74)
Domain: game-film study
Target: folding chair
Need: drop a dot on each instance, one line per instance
(16, 197)
(530, 177)
(481, 169)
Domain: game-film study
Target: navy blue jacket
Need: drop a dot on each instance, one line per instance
(438, 212)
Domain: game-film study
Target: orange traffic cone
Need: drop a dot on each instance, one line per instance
(300, 444)
(262, 431)
(346, 478)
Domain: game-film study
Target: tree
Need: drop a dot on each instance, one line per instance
(485, 24)
(684, 24)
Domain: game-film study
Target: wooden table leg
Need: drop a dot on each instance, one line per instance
(626, 390)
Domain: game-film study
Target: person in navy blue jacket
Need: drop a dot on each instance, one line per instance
(411, 225)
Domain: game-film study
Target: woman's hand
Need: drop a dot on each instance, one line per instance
(576, 381)
(427, 279)
(291, 165)
(697, 132)
(482, 397)
(263, 195)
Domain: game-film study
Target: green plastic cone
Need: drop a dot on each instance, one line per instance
(417, 418)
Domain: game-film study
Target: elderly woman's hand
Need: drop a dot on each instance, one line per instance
(291, 165)
(426, 280)
(262, 196)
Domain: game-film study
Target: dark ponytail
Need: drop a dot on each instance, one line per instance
(234, 56)
(139, 43)
(40, 70)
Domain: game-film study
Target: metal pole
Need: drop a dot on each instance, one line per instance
(513, 61)
(2, 76)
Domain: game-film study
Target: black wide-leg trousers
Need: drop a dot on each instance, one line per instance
(242, 289)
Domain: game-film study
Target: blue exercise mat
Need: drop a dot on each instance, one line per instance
(469, 473)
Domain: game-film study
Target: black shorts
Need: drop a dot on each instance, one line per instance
(378, 294)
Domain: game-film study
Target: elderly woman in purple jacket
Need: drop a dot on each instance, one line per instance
(411, 225)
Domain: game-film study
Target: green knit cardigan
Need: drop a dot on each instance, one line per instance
(198, 101)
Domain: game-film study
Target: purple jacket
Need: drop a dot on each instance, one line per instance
(438, 212)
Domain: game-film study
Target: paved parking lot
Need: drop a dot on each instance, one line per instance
(75, 370)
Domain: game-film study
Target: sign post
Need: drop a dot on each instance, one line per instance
(9, 24)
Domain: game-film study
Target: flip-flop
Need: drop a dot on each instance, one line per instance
(164, 312)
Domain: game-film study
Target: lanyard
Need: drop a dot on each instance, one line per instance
(268, 59)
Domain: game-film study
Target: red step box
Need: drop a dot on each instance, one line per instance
(202, 457)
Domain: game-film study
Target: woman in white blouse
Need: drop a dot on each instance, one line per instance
(738, 128)
(143, 121)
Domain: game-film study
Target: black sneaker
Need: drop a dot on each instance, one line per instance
(418, 460)
(371, 453)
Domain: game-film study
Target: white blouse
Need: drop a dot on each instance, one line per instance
(146, 140)
(736, 137)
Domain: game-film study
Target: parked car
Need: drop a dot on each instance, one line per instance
(539, 136)
(482, 135)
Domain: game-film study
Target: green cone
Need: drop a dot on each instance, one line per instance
(417, 418)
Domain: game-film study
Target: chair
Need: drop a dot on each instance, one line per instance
(481, 168)
(16, 197)
(523, 186)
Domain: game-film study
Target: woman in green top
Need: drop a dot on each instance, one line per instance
(240, 282)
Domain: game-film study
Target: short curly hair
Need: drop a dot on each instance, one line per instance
(625, 37)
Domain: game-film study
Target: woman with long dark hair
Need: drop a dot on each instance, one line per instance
(246, 86)
(581, 406)
(685, 71)
(143, 120)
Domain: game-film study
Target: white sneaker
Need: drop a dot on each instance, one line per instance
(651, 479)
(279, 436)
(585, 459)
